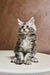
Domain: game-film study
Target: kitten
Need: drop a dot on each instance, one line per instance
(26, 45)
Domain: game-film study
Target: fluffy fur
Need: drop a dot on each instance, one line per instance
(26, 45)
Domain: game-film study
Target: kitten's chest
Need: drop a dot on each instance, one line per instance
(26, 43)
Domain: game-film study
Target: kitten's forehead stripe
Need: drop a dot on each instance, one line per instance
(24, 23)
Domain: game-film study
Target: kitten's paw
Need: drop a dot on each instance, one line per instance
(20, 62)
(14, 59)
(27, 59)
(34, 59)
(28, 62)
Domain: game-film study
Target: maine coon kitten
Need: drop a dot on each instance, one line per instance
(26, 44)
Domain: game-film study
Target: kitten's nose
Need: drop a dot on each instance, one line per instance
(24, 29)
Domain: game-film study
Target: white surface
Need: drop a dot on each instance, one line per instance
(8, 68)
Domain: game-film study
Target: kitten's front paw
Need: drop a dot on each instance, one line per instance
(20, 62)
(27, 59)
(27, 62)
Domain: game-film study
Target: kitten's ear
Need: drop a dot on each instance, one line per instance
(19, 21)
(31, 21)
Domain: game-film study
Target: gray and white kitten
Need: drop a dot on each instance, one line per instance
(26, 45)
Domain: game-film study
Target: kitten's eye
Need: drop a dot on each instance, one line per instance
(27, 26)
(22, 26)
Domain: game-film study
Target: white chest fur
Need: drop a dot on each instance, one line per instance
(26, 43)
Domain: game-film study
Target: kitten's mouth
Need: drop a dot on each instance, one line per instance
(25, 32)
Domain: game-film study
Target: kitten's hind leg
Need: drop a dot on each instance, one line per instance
(18, 59)
(13, 60)
(34, 59)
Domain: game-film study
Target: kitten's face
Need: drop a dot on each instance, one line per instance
(27, 27)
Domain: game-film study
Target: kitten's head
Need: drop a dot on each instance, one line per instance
(27, 27)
